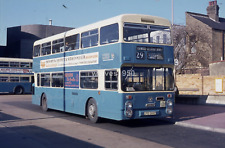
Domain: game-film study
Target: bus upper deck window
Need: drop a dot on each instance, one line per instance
(4, 64)
(89, 38)
(36, 51)
(46, 48)
(109, 34)
(57, 45)
(25, 64)
(72, 42)
(14, 64)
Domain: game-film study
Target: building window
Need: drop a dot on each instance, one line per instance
(193, 50)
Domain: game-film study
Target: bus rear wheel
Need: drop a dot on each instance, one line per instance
(18, 90)
(44, 104)
(92, 111)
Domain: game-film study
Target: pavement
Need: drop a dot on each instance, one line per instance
(204, 117)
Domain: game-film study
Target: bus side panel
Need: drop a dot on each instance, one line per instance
(36, 97)
(75, 101)
(26, 86)
(108, 58)
(54, 97)
(37, 68)
(72, 101)
(7, 87)
(111, 105)
(10, 86)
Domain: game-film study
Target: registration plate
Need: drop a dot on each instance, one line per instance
(152, 113)
(162, 103)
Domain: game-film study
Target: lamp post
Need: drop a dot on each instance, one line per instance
(172, 11)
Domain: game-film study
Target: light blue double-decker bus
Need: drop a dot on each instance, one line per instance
(120, 68)
(16, 75)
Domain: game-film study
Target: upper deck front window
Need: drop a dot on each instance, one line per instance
(146, 33)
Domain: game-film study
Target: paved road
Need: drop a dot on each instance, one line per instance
(25, 125)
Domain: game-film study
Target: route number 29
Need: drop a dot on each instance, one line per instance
(140, 55)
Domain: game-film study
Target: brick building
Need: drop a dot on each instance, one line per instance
(205, 40)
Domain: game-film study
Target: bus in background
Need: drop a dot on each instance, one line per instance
(120, 68)
(16, 75)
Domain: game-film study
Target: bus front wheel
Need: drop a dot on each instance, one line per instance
(44, 104)
(92, 111)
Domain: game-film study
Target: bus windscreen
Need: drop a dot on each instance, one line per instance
(147, 79)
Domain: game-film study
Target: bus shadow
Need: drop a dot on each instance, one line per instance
(2, 94)
(135, 123)
(78, 118)
(36, 137)
(6, 117)
(185, 112)
(182, 112)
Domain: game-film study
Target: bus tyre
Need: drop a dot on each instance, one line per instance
(44, 104)
(18, 90)
(92, 111)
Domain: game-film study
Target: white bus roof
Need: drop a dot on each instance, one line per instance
(3, 59)
(132, 18)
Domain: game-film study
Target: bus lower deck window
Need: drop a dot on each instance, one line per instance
(89, 80)
(111, 79)
(57, 79)
(45, 79)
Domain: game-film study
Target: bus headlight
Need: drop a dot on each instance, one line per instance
(169, 111)
(169, 103)
(129, 109)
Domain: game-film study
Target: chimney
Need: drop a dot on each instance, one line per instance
(50, 22)
(213, 10)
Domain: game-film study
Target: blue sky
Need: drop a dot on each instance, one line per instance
(82, 12)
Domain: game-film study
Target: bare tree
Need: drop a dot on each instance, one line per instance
(192, 48)
(180, 53)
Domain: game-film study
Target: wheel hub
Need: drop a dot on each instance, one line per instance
(92, 110)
